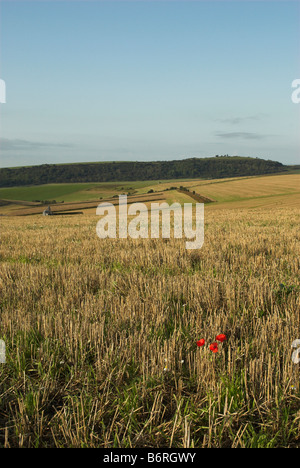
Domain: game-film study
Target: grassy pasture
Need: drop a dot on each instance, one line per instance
(72, 192)
(43, 192)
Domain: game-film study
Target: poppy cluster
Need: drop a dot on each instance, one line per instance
(213, 346)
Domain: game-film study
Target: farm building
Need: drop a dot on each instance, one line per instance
(47, 212)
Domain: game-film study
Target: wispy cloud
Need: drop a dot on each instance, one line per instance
(7, 144)
(240, 120)
(241, 135)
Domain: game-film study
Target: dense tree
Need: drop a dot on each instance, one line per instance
(209, 168)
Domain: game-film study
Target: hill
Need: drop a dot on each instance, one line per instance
(205, 168)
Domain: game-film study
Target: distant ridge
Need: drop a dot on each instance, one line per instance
(207, 168)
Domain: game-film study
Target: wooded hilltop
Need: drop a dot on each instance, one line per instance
(207, 168)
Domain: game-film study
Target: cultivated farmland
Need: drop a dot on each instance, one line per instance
(101, 333)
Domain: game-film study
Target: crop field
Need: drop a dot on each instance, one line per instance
(229, 190)
(101, 334)
(244, 188)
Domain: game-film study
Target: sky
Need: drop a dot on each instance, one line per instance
(148, 80)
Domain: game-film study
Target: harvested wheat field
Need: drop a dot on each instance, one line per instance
(101, 335)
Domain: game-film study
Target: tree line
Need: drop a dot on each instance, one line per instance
(207, 168)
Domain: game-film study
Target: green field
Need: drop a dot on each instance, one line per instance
(57, 192)
(78, 192)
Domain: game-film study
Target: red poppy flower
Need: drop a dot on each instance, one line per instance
(201, 342)
(221, 338)
(214, 347)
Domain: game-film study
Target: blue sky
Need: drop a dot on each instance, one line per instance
(148, 80)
